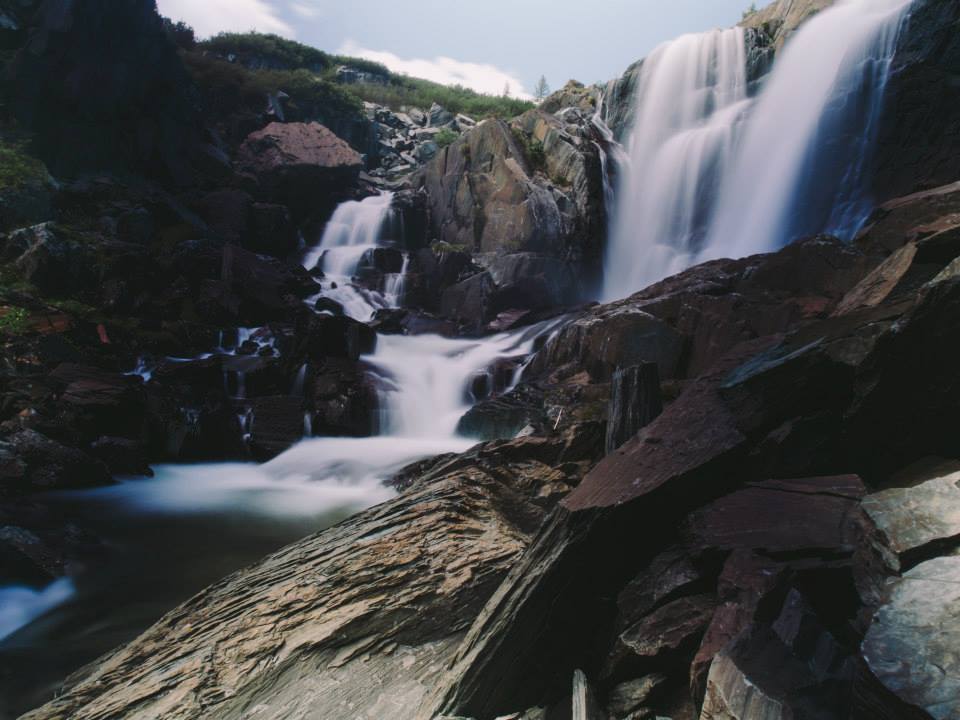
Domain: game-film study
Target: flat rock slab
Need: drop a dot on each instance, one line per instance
(915, 521)
(357, 621)
(913, 645)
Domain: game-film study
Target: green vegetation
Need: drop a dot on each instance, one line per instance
(532, 149)
(17, 169)
(13, 320)
(752, 10)
(445, 137)
(395, 91)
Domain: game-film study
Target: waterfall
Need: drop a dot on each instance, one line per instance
(355, 228)
(803, 161)
(689, 99)
(426, 376)
(712, 173)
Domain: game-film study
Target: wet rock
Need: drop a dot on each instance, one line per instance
(344, 400)
(600, 342)
(49, 262)
(584, 702)
(122, 455)
(469, 302)
(904, 219)
(266, 288)
(275, 424)
(325, 336)
(911, 644)
(329, 305)
(634, 402)
(504, 416)
(48, 465)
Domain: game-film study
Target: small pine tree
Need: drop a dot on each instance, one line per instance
(541, 89)
(506, 90)
(750, 11)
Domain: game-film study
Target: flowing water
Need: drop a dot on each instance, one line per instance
(356, 228)
(169, 536)
(712, 172)
(690, 94)
(801, 166)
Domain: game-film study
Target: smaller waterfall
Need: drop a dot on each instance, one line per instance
(355, 228)
(801, 167)
(690, 96)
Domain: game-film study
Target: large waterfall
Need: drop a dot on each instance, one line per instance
(713, 173)
(689, 96)
(802, 164)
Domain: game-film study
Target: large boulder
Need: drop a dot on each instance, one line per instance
(295, 163)
(527, 186)
(45, 464)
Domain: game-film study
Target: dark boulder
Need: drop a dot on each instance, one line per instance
(326, 336)
(264, 288)
(469, 302)
(275, 424)
(48, 465)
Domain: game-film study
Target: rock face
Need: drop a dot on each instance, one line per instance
(919, 138)
(533, 185)
(911, 645)
(129, 96)
(634, 402)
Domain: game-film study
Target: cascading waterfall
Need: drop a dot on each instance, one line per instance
(713, 173)
(355, 228)
(802, 165)
(690, 95)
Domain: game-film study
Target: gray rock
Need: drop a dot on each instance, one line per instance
(911, 646)
(418, 116)
(913, 522)
(440, 116)
(628, 697)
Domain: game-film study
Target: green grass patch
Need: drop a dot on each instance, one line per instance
(14, 321)
(18, 169)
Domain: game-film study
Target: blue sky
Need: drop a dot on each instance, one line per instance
(485, 44)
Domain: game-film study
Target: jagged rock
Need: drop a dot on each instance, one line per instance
(634, 402)
(601, 341)
(504, 416)
(323, 336)
(439, 116)
(790, 668)
(911, 644)
(919, 134)
(344, 400)
(630, 696)
(310, 630)
(531, 281)
(276, 424)
(916, 522)
(469, 302)
(781, 19)
(484, 192)
(265, 288)
(51, 263)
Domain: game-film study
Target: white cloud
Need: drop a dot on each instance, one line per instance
(208, 17)
(305, 10)
(480, 77)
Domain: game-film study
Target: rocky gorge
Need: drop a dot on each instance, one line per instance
(731, 493)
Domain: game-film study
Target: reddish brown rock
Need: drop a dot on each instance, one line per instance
(295, 163)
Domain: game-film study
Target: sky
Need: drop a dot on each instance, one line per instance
(486, 44)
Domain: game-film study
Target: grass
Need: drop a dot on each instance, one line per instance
(445, 137)
(396, 91)
(17, 169)
(14, 320)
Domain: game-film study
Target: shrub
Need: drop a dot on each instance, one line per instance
(445, 137)
(280, 52)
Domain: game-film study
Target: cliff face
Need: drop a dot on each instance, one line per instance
(919, 140)
(101, 87)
